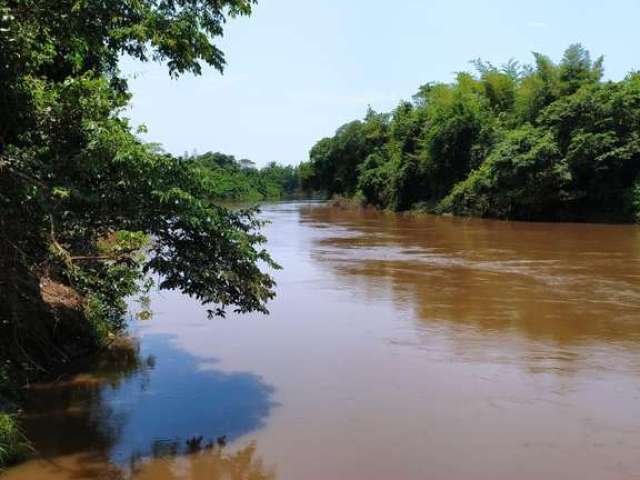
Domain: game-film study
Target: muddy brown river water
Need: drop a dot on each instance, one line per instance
(398, 348)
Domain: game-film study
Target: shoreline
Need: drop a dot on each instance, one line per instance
(352, 203)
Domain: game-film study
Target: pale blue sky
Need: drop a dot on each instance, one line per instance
(299, 69)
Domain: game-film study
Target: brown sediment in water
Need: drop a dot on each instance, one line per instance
(397, 347)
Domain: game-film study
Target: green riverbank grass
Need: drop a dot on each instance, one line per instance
(13, 446)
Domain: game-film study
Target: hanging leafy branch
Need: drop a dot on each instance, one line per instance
(83, 203)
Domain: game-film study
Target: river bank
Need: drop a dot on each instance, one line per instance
(57, 338)
(357, 202)
(121, 355)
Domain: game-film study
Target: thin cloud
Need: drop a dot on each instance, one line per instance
(537, 25)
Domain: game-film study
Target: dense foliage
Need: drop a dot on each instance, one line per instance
(12, 443)
(239, 181)
(547, 141)
(86, 209)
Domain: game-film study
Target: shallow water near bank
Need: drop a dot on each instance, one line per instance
(397, 347)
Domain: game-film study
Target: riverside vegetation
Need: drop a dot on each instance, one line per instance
(238, 180)
(537, 142)
(87, 210)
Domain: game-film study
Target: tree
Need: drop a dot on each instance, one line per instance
(228, 179)
(525, 177)
(541, 141)
(335, 160)
(82, 201)
(577, 69)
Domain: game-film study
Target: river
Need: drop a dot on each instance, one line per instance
(397, 348)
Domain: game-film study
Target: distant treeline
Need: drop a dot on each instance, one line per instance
(543, 142)
(239, 180)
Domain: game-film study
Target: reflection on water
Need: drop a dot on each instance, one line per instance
(397, 347)
(210, 463)
(569, 283)
(134, 406)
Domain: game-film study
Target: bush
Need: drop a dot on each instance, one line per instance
(12, 443)
(524, 178)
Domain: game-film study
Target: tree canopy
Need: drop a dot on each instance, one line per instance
(83, 202)
(544, 142)
(235, 180)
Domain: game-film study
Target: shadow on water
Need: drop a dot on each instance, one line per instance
(134, 406)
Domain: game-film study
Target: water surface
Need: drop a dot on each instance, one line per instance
(398, 348)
